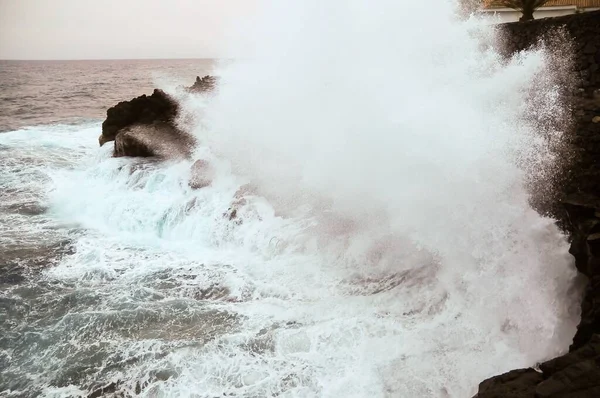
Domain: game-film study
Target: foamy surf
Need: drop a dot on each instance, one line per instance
(366, 231)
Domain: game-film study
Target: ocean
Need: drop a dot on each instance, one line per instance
(383, 244)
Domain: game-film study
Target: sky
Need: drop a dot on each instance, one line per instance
(118, 29)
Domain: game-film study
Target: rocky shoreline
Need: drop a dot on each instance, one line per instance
(147, 126)
(576, 208)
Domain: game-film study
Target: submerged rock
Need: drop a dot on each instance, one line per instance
(202, 174)
(110, 388)
(514, 384)
(19, 261)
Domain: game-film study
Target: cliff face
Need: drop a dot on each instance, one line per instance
(576, 206)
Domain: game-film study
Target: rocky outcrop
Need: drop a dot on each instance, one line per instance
(158, 139)
(143, 110)
(577, 209)
(583, 211)
(146, 126)
(574, 375)
(202, 174)
(207, 83)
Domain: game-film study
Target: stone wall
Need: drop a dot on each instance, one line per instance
(576, 204)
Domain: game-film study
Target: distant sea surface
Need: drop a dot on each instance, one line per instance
(71, 92)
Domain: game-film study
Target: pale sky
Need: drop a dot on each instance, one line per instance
(115, 29)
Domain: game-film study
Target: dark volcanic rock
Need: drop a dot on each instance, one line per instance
(576, 374)
(583, 220)
(158, 139)
(514, 384)
(207, 83)
(146, 125)
(143, 110)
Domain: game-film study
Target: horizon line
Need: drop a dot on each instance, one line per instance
(108, 59)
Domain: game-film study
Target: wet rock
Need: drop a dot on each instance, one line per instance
(590, 314)
(13, 278)
(214, 292)
(110, 388)
(28, 209)
(157, 140)
(33, 255)
(514, 384)
(573, 375)
(232, 214)
(20, 262)
(146, 126)
(143, 110)
(207, 83)
(202, 174)
(579, 380)
(583, 221)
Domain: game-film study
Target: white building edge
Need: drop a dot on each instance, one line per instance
(556, 8)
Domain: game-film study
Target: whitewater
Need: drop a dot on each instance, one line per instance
(367, 230)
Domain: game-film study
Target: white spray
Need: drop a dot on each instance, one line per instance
(384, 246)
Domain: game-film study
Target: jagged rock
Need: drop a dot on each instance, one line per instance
(146, 125)
(156, 140)
(514, 384)
(583, 220)
(590, 314)
(207, 83)
(202, 174)
(143, 110)
(573, 375)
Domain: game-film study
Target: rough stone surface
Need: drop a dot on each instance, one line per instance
(159, 139)
(576, 207)
(146, 126)
(511, 385)
(143, 110)
(207, 83)
(574, 375)
(201, 174)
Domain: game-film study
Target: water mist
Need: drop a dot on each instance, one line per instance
(409, 142)
(366, 231)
